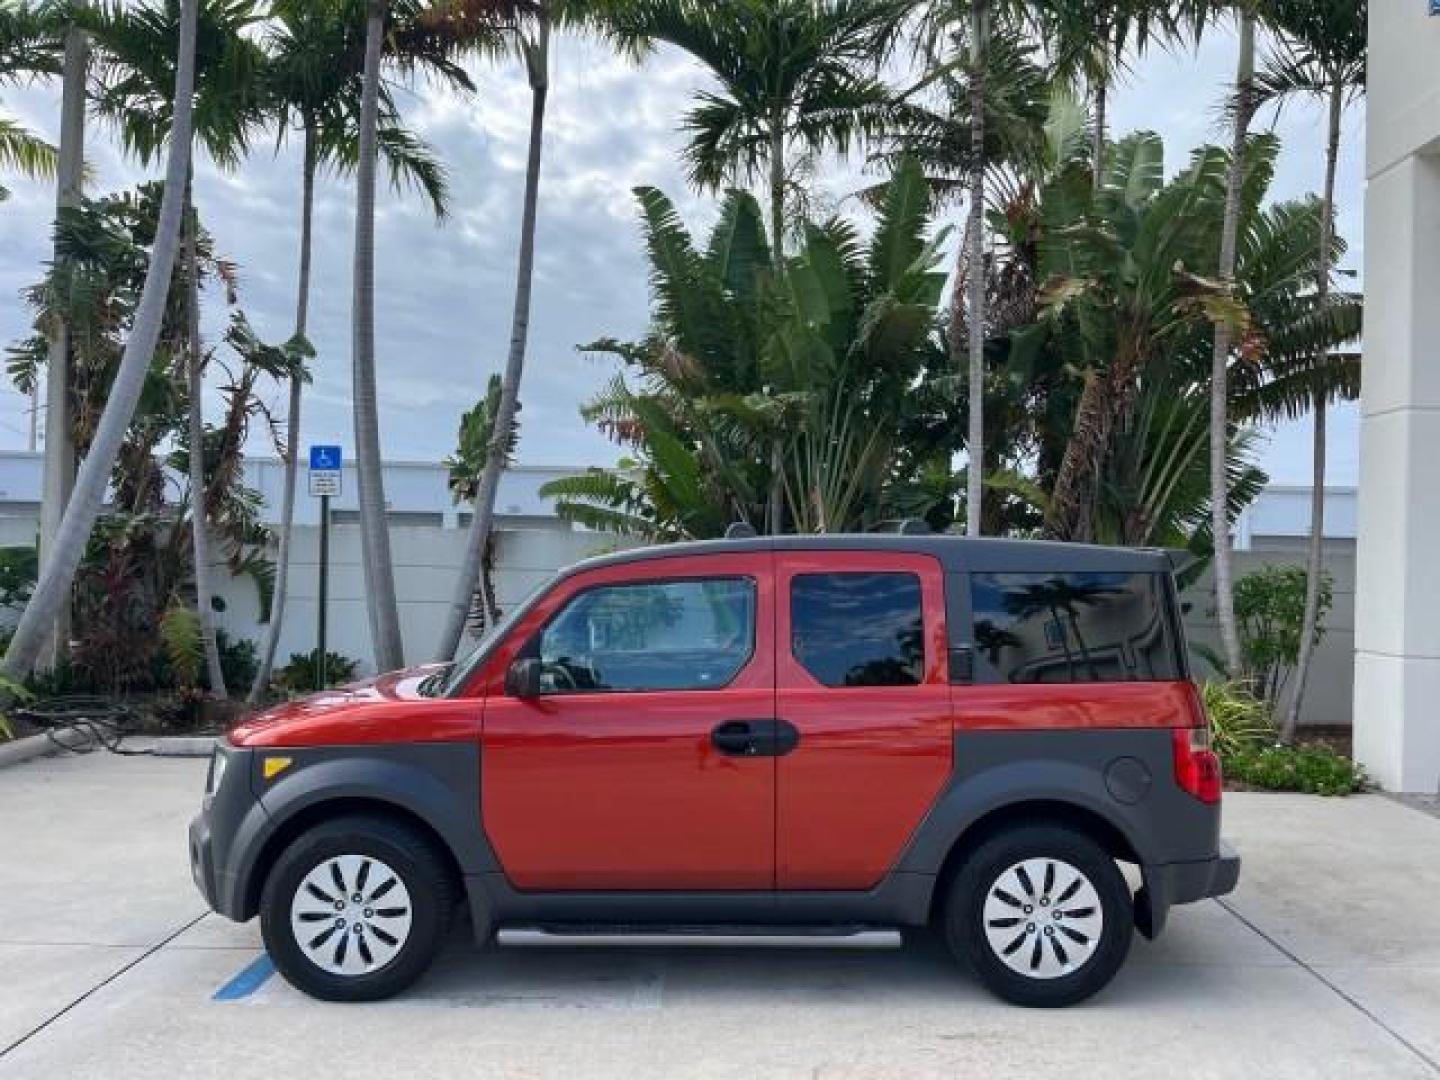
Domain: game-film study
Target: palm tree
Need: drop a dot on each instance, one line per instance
(970, 295)
(535, 52)
(975, 243)
(1156, 489)
(313, 74)
(59, 464)
(135, 75)
(963, 158)
(29, 47)
(435, 36)
(827, 357)
(1243, 111)
(796, 76)
(1117, 264)
(53, 586)
(1090, 39)
(374, 533)
(1002, 86)
(1321, 53)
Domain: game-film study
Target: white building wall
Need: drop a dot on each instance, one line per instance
(426, 563)
(1397, 659)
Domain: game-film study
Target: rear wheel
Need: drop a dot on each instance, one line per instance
(1042, 915)
(356, 908)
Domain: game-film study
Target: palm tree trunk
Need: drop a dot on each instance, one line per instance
(1314, 556)
(538, 67)
(199, 500)
(38, 620)
(374, 530)
(1102, 123)
(292, 428)
(59, 439)
(975, 441)
(1067, 517)
(1108, 396)
(1100, 94)
(1220, 361)
(777, 485)
(777, 188)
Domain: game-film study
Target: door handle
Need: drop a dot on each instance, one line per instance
(755, 738)
(735, 738)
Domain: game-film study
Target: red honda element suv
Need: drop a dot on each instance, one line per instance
(779, 736)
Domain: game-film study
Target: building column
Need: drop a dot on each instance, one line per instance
(1397, 617)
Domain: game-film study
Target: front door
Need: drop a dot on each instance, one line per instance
(861, 664)
(633, 769)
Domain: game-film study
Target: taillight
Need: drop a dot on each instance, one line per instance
(1197, 767)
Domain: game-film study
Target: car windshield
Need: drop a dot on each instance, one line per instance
(458, 673)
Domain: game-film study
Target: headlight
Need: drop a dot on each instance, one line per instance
(218, 761)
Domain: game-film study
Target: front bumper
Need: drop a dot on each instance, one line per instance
(202, 858)
(219, 835)
(1169, 884)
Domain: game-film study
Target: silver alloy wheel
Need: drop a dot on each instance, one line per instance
(1043, 918)
(351, 915)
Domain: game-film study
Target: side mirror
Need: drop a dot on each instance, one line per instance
(522, 680)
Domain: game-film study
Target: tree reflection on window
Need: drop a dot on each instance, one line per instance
(853, 630)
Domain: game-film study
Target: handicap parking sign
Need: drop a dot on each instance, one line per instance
(325, 470)
(325, 458)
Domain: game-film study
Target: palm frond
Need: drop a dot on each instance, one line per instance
(25, 152)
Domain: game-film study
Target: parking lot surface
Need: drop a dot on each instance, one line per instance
(1324, 963)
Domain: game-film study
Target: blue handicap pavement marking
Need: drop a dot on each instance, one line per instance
(248, 981)
(324, 458)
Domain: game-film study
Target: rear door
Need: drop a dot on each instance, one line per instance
(861, 669)
(634, 770)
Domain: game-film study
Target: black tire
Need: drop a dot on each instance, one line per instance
(415, 862)
(965, 922)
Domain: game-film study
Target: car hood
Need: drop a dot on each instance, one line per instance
(349, 703)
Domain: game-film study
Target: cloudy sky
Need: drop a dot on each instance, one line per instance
(445, 292)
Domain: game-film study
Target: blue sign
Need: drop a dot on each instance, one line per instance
(325, 458)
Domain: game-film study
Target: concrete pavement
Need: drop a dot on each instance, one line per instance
(1322, 964)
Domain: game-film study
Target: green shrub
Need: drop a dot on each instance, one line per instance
(299, 673)
(239, 662)
(18, 569)
(182, 644)
(1270, 608)
(1313, 770)
(11, 693)
(60, 681)
(1238, 719)
(1245, 737)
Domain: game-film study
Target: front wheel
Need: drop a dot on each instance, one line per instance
(355, 909)
(1042, 915)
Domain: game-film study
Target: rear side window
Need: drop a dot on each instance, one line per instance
(675, 635)
(1068, 628)
(858, 629)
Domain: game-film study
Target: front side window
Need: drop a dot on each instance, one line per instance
(858, 629)
(1074, 627)
(673, 635)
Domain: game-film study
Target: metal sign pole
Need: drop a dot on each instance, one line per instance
(325, 472)
(320, 665)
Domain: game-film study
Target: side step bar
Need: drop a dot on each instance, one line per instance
(741, 937)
